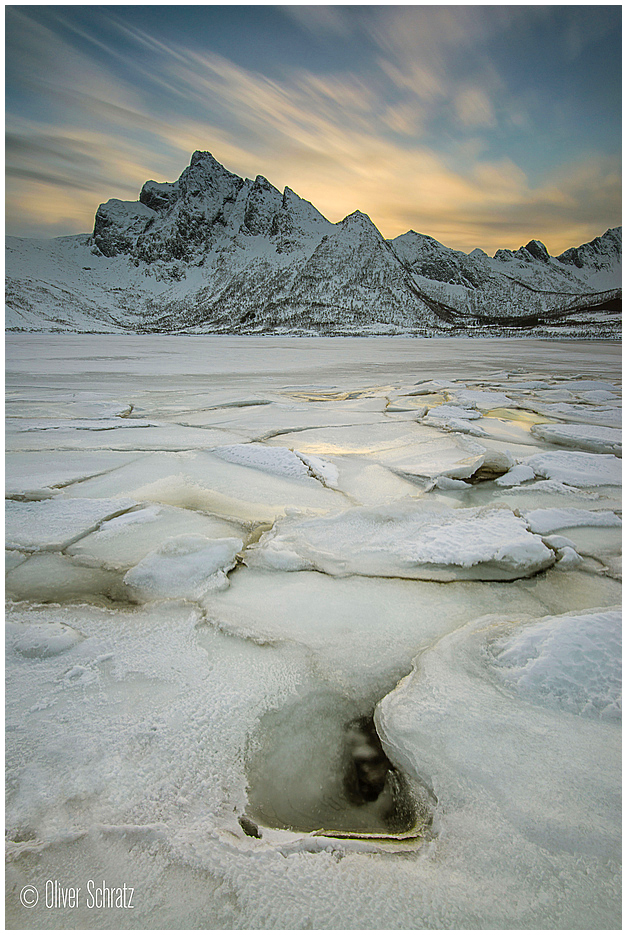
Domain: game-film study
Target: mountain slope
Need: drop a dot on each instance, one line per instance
(215, 252)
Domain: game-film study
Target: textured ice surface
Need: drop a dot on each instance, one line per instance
(444, 412)
(516, 475)
(522, 786)
(572, 661)
(55, 524)
(126, 539)
(480, 399)
(406, 541)
(547, 520)
(39, 640)
(454, 419)
(186, 566)
(280, 461)
(577, 468)
(145, 733)
(598, 438)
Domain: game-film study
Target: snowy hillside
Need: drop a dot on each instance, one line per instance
(213, 252)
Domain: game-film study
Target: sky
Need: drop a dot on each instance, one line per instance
(482, 126)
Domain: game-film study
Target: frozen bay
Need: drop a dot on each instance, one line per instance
(288, 647)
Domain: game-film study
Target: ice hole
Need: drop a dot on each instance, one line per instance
(318, 765)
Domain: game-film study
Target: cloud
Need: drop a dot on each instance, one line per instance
(474, 109)
(339, 140)
(320, 20)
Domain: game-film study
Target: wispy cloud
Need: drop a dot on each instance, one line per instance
(340, 138)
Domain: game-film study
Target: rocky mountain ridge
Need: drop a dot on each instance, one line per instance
(213, 252)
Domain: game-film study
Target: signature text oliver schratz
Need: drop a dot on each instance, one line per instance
(95, 895)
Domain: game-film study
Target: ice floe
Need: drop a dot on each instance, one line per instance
(577, 468)
(38, 474)
(607, 415)
(516, 475)
(513, 773)
(209, 743)
(410, 541)
(596, 438)
(56, 577)
(454, 419)
(127, 539)
(572, 661)
(417, 450)
(280, 461)
(480, 399)
(202, 481)
(183, 567)
(548, 520)
(55, 524)
(40, 640)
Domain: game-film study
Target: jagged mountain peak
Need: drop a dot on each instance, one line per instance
(213, 251)
(412, 235)
(359, 222)
(598, 253)
(412, 247)
(537, 250)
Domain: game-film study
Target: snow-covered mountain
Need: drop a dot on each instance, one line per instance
(213, 252)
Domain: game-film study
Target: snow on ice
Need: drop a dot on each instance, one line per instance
(317, 633)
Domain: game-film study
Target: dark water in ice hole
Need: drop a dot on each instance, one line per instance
(319, 765)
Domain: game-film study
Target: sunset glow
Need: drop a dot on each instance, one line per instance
(480, 126)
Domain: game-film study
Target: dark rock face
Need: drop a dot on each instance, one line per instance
(118, 224)
(594, 254)
(246, 257)
(537, 250)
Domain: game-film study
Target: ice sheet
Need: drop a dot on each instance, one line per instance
(185, 566)
(419, 450)
(516, 475)
(30, 473)
(280, 461)
(480, 399)
(521, 787)
(40, 640)
(572, 662)
(159, 438)
(548, 520)
(125, 540)
(597, 438)
(55, 524)
(142, 729)
(406, 541)
(202, 481)
(57, 578)
(577, 468)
